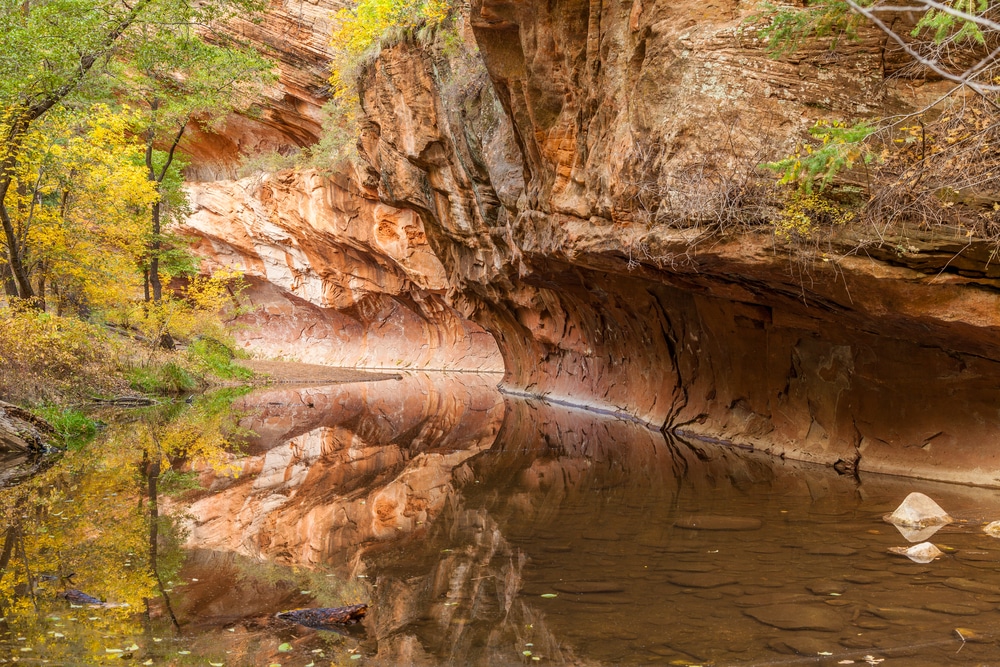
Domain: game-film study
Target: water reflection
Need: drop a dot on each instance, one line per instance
(465, 516)
(487, 530)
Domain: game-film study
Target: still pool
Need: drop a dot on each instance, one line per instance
(480, 529)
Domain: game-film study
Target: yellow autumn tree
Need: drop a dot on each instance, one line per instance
(76, 201)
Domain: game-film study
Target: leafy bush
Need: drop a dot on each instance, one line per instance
(48, 357)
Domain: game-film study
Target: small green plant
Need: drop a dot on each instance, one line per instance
(944, 24)
(174, 482)
(210, 355)
(168, 378)
(74, 427)
(839, 147)
(785, 29)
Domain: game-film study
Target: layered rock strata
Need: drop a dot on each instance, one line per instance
(583, 184)
(335, 277)
(594, 207)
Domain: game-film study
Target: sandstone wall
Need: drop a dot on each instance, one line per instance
(335, 277)
(579, 206)
(583, 184)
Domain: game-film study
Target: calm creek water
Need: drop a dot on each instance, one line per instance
(492, 531)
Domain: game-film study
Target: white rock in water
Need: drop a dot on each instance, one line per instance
(992, 529)
(918, 511)
(919, 534)
(924, 552)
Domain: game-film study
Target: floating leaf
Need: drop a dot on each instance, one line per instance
(133, 647)
(148, 662)
(526, 653)
(113, 650)
(356, 656)
(285, 648)
(217, 664)
(183, 652)
(550, 595)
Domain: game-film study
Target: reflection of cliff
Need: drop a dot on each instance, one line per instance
(345, 465)
(460, 510)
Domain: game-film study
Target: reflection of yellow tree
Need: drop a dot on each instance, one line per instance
(91, 523)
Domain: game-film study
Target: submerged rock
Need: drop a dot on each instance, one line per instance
(925, 552)
(918, 511)
(798, 617)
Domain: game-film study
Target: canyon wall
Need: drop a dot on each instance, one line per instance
(335, 277)
(593, 204)
(581, 181)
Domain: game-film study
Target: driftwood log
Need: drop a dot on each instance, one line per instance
(21, 431)
(326, 617)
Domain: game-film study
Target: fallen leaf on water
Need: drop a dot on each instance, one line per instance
(133, 647)
(113, 650)
(148, 662)
(550, 595)
(183, 652)
(285, 648)
(217, 664)
(356, 656)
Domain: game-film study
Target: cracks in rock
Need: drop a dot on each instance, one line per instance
(670, 340)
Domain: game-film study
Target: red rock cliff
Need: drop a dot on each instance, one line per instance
(580, 189)
(590, 207)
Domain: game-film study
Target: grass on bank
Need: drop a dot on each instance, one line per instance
(56, 365)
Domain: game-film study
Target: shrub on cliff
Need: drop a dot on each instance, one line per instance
(358, 35)
(937, 167)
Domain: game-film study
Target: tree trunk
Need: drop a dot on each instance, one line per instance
(7, 278)
(14, 256)
(154, 259)
(41, 288)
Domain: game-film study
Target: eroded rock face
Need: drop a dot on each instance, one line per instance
(336, 277)
(586, 192)
(573, 225)
(296, 36)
